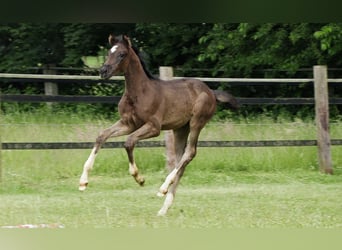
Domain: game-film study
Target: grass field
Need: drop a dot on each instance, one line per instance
(222, 188)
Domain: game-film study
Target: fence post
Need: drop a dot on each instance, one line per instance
(166, 73)
(50, 88)
(322, 118)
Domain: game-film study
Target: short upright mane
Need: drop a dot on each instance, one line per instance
(148, 73)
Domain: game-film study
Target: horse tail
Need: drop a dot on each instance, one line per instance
(226, 98)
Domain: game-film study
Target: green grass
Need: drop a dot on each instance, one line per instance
(278, 202)
(277, 187)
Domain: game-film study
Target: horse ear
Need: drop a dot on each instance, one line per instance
(112, 40)
(115, 39)
(127, 40)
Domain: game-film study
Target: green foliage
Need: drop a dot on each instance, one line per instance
(329, 37)
(193, 49)
(245, 50)
(172, 45)
(26, 45)
(238, 50)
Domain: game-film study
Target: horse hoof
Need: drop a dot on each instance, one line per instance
(162, 191)
(160, 194)
(141, 181)
(83, 186)
(161, 213)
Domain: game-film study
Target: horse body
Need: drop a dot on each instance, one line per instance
(150, 105)
(171, 103)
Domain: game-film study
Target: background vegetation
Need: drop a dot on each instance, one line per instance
(194, 49)
(236, 50)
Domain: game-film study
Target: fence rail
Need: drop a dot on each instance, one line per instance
(116, 99)
(84, 78)
(47, 77)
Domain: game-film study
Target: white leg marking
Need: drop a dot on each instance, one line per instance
(171, 177)
(167, 204)
(133, 169)
(168, 181)
(88, 165)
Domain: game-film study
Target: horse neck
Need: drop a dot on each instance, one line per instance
(135, 76)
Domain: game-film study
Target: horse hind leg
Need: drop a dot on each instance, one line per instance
(119, 128)
(180, 138)
(187, 157)
(170, 150)
(202, 112)
(170, 196)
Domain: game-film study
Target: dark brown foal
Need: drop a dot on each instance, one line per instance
(150, 105)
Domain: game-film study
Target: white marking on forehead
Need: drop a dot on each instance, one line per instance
(113, 49)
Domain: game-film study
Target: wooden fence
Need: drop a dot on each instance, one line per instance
(115, 99)
(320, 100)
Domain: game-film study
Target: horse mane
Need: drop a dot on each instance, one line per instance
(142, 61)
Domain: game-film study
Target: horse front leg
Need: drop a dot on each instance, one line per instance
(118, 129)
(148, 130)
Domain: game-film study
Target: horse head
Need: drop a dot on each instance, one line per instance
(117, 54)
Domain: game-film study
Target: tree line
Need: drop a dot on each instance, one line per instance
(193, 49)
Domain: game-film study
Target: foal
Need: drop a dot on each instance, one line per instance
(150, 105)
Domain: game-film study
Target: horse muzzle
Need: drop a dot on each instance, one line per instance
(106, 71)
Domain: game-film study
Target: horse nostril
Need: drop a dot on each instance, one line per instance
(103, 70)
(106, 71)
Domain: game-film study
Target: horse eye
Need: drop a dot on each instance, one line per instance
(122, 55)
